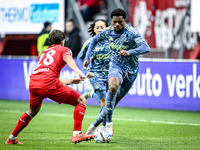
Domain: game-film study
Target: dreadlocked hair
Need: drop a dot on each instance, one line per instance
(91, 27)
(118, 12)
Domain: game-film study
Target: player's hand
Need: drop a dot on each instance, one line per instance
(89, 74)
(79, 73)
(72, 81)
(85, 64)
(77, 80)
(124, 53)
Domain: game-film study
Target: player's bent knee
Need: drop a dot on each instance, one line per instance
(113, 84)
(33, 112)
(113, 88)
(81, 99)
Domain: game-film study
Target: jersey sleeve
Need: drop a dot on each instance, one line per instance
(84, 49)
(91, 47)
(141, 45)
(82, 53)
(66, 52)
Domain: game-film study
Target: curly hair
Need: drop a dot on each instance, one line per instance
(56, 36)
(91, 27)
(118, 12)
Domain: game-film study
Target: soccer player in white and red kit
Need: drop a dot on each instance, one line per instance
(45, 83)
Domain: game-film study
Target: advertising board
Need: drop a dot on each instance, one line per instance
(28, 16)
(160, 84)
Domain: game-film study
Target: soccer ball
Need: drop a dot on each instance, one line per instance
(102, 135)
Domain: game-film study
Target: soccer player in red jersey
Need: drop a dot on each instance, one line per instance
(45, 83)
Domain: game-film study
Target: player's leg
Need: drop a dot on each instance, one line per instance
(97, 84)
(100, 87)
(102, 115)
(125, 86)
(79, 112)
(104, 121)
(115, 78)
(121, 92)
(101, 118)
(35, 104)
(113, 84)
(95, 96)
(67, 95)
(103, 103)
(89, 92)
(21, 124)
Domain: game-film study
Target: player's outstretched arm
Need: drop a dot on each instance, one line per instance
(91, 47)
(142, 49)
(82, 54)
(72, 81)
(72, 64)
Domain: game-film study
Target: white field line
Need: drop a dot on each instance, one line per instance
(120, 119)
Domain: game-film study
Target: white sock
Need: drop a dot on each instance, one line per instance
(12, 137)
(75, 133)
(93, 127)
(109, 123)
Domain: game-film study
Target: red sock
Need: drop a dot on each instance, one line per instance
(79, 113)
(22, 123)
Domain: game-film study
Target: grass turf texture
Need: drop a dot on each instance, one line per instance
(136, 129)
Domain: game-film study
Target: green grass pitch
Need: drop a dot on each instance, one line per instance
(134, 129)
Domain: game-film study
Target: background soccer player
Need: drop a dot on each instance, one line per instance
(99, 67)
(45, 83)
(126, 44)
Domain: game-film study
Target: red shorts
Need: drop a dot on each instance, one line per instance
(63, 94)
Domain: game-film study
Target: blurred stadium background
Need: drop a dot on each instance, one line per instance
(167, 26)
(169, 76)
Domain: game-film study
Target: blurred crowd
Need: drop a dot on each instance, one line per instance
(90, 10)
